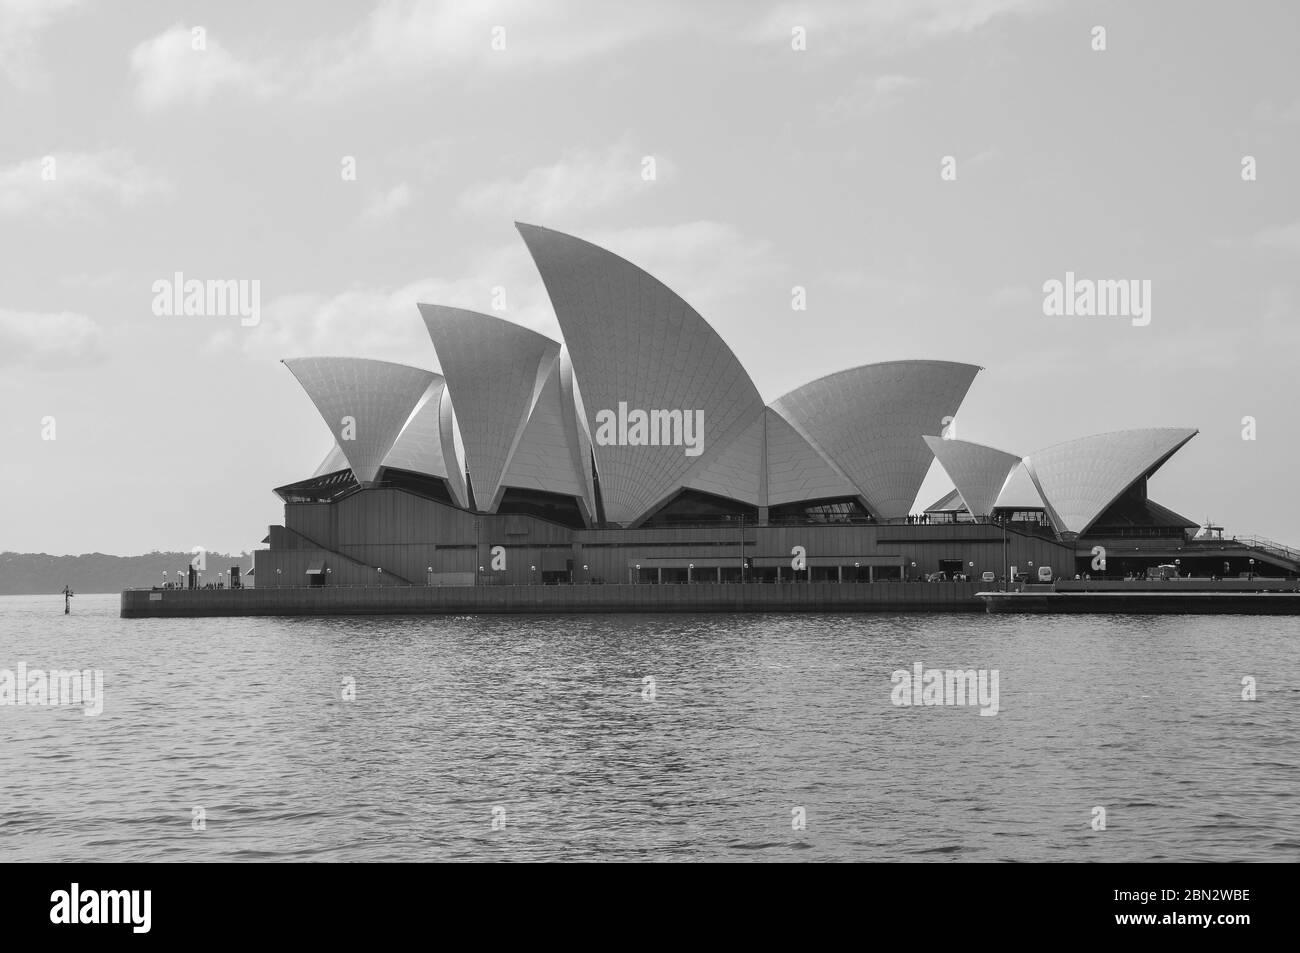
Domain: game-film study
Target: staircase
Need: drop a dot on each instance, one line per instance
(355, 562)
(1276, 550)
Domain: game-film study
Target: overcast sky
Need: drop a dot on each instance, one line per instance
(775, 167)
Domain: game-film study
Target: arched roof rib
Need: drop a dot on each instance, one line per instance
(549, 455)
(1019, 491)
(978, 472)
(365, 404)
(426, 445)
(636, 344)
(334, 461)
(495, 371)
(1080, 478)
(795, 470)
(869, 422)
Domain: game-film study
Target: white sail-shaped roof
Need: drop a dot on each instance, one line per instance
(796, 471)
(1019, 492)
(736, 470)
(575, 424)
(1079, 479)
(950, 502)
(495, 371)
(869, 422)
(635, 342)
(979, 472)
(425, 444)
(365, 403)
(550, 454)
(334, 461)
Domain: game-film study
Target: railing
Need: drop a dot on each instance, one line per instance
(1137, 532)
(334, 552)
(584, 585)
(1268, 546)
(1259, 543)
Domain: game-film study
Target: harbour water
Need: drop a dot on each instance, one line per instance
(761, 737)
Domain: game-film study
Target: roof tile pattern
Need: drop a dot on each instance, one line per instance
(548, 456)
(1079, 479)
(736, 470)
(377, 395)
(575, 423)
(334, 461)
(425, 445)
(795, 471)
(1019, 492)
(633, 340)
(495, 370)
(979, 472)
(869, 422)
(447, 430)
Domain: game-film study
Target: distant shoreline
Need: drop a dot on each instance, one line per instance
(35, 574)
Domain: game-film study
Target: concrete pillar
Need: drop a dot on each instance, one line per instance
(778, 573)
(719, 574)
(659, 575)
(840, 571)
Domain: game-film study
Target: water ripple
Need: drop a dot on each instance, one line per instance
(768, 737)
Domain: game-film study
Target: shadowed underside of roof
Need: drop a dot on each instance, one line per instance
(576, 426)
(869, 422)
(333, 462)
(495, 371)
(636, 343)
(1079, 479)
(550, 455)
(795, 470)
(1132, 510)
(1019, 492)
(364, 403)
(950, 502)
(735, 471)
(426, 445)
(977, 471)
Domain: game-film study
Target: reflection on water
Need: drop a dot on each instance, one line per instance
(545, 725)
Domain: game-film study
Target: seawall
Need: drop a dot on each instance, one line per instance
(1144, 602)
(443, 600)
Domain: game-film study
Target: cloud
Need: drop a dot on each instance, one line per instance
(709, 263)
(838, 26)
(868, 95)
(1014, 298)
(21, 24)
(1284, 238)
(404, 38)
(383, 323)
(580, 181)
(1274, 113)
(382, 206)
(94, 280)
(65, 184)
(397, 42)
(169, 71)
(51, 340)
(403, 41)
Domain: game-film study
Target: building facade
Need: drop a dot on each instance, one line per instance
(639, 451)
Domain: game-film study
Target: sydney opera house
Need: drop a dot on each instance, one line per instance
(639, 451)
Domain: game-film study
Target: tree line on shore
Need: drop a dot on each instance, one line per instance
(35, 573)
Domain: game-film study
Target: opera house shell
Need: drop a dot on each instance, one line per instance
(638, 449)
